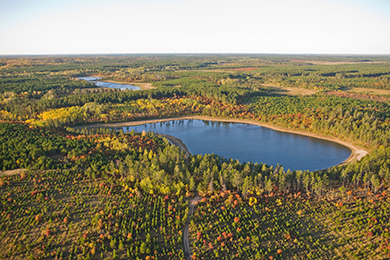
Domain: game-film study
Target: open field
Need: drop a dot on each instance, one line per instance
(369, 91)
(319, 62)
(290, 90)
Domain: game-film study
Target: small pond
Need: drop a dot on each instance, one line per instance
(104, 84)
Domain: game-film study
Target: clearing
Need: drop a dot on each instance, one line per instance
(292, 91)
(369, 91)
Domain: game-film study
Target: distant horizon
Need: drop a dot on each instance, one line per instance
(189, 53)
(90, 27)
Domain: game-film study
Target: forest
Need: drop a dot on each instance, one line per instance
(70, 191)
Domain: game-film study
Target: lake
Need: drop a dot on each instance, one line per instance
(103, 84)
(253, 143)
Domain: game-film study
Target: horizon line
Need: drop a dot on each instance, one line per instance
(194, 53)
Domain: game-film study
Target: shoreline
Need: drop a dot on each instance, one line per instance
(357, 153)
(178, 142)
(141, 85)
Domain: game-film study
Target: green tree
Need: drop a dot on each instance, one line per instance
(247, 185)
(142, 248)
(237, 178)
(268, 186)
(192, 186)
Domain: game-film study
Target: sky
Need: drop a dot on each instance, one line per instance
(194, 26)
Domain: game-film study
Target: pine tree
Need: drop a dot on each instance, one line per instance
(268, 186)
(192, 184)
(222, 181)
(237, 178)
(247, 185)
(211, 185)
(142, 248)
(121, 246)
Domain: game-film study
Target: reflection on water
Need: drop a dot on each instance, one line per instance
(103, 84)
(252, 143)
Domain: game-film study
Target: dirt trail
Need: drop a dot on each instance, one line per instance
(191, 206)
(12, 172)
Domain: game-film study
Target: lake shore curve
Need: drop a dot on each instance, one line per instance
(179, 143)
(357, 152)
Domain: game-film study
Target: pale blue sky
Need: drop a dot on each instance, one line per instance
(194, 26)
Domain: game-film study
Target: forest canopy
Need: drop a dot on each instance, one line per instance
(97, 193)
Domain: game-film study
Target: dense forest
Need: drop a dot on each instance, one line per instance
(69, 191)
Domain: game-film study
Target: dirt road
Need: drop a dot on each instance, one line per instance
(191, 206)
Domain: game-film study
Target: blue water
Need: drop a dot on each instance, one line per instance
(103, 84)
(252, 143)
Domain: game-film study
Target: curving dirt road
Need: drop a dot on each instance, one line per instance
(191, 206)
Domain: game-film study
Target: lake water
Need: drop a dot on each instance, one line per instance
(252, 143)
(103, 84)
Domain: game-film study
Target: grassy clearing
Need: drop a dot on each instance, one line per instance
(369, 91)
(291, 90)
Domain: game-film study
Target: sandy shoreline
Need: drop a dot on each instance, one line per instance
(141, 85)
(179, 143)
(356, 152)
